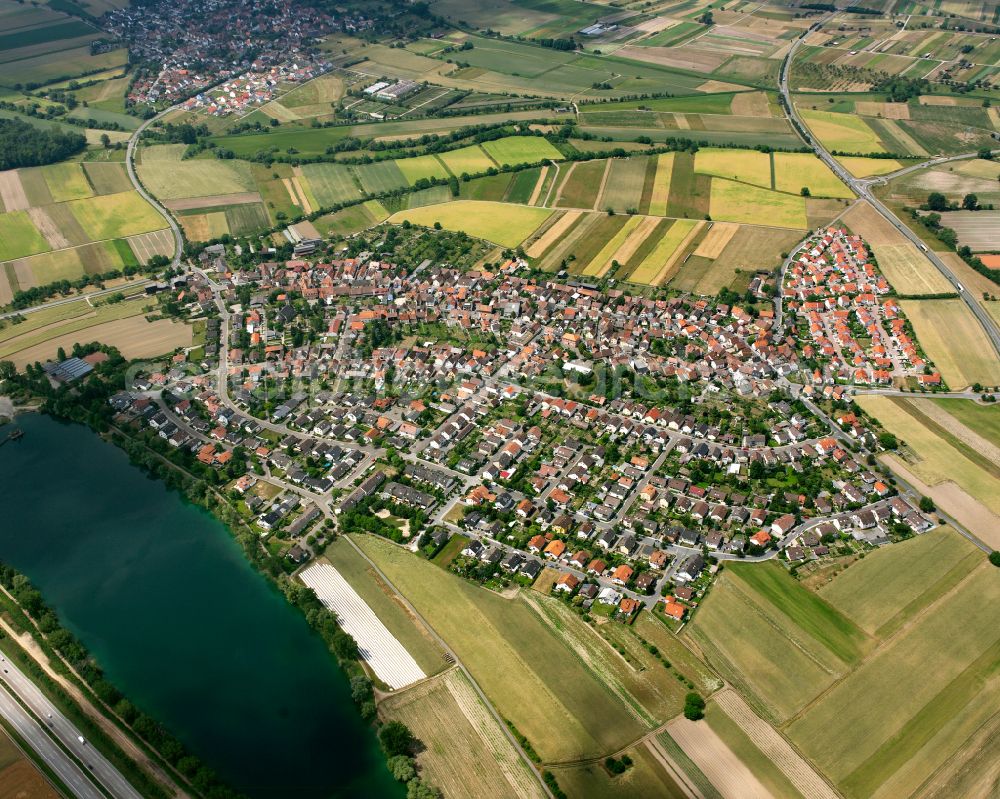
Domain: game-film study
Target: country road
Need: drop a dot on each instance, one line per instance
(57, 737)
(863, 189)
(130, 168)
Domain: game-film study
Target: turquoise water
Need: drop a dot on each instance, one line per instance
(165, 600)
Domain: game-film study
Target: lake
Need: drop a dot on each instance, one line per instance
(163, 597)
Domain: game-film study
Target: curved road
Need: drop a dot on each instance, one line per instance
(863, 189)
(130, 168)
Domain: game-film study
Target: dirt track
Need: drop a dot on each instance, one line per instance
(192, 203)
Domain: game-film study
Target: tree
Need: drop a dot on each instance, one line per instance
(694, 706)
(418, 789)
(105, 140)
(888, 440)
(402, 769)
(396, 738)
(995, 558)
(970, 202)
(804, 191)
(927, 505)
(936, 201)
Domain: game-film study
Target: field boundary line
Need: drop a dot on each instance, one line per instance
(676, 773)
(604, 184)
(444, 645)
(559, 191)
(780, 751)
(884, 644)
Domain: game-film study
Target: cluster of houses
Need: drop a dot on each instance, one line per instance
(854, 330)
(197, 45)
(253, 88)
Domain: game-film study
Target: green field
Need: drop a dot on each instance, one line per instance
(423, 166)
(521, 150)
(331, 183)
(842, 132)
(891, 585)
(380, 177)
(466, 160)
(66, 182)
(984, 419)
(351, 220)
(624, 187)
(507, 225)
(580, 187)
(907, 708)
(524, 667)
(175, 180)
(107, 178)
(752, 638)
(740, 202)
(19, 236)
(113, 216)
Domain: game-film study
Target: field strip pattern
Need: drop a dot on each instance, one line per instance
(716, 760)
(507, 760)
(963, 433)
(774, 747)
(378, 647)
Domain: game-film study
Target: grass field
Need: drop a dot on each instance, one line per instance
(521, 150)
(645, 778)
(19, 236)
(466, 752)
(795, 171)
(174, 180)
(352, 220)
(624, 187)
(565, 712)
(842, 132)
(746, 166)
(115, 215)
(470, 160)
(386, 605)
(580, 184)
(909, 272)
(893, 720)
(423, 166)
(380, 177)
(984, 419)
(66, 182)
(739, 202)
(107, 178)
(888, 587)
(602, 261)
(331, 183)
(503, 224)
(953, 338)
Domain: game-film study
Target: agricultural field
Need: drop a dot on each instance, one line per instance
(884, 616)
(503, 224)
(122, 325)
(926, 715)
(170, 179)
(939, 449)
(739, 202)
(466, 750)
(977, 230)
(19, 777)
(749, 630)
(842, 133)
(955, 341)
(909, 271)
(600, 705)
(68, 220)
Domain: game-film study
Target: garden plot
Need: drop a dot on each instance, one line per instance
(379, 649)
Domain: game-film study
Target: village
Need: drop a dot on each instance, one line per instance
(623, 447)
(179, 53)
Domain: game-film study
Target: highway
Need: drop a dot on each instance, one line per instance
(863, 189)
(45, 740)
(130, 168)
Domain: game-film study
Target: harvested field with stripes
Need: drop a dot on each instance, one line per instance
(658, 266)
(909, 271)
(393, 665)
(466, 751)
(715, 760)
